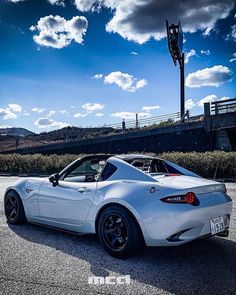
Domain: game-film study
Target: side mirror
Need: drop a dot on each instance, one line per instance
(54, 179)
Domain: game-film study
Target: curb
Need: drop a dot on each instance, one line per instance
(23, 174)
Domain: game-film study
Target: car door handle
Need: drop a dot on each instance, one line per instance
(84, 190)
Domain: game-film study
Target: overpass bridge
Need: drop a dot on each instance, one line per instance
(214, 130)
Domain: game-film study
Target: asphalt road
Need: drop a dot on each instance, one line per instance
(37, 260)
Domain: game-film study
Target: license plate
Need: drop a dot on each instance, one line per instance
(217, 225)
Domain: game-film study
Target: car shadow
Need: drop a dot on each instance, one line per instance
(201, 267)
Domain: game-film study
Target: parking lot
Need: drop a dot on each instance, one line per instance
(37, 260)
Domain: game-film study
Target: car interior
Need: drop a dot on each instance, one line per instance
(98, 169)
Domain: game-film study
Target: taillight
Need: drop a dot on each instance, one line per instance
(189, 198)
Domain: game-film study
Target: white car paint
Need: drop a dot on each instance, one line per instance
(75, 205)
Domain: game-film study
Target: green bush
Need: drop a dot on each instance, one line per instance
(217, 164)
(39, 164)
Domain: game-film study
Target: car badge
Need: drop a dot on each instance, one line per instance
(152, 190)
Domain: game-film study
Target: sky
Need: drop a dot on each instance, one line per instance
(94, 62)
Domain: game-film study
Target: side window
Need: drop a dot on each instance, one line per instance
(87, 171)
(107, 172)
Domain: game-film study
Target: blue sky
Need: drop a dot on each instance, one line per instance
(87, 63)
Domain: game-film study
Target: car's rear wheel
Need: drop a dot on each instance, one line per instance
(14, 209)
(119, 232)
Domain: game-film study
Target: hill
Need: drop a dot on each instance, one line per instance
(26, 138)
(15, 131)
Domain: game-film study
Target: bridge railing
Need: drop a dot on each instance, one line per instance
(223, 106)
(146, 122)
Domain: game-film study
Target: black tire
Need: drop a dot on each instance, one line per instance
(14, 210)
(119, 232)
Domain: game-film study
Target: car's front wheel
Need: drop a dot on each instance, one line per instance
(119, 232)
(14, 209)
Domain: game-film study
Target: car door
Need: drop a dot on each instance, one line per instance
(67, 204)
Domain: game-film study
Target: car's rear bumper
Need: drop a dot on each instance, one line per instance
(176, 228)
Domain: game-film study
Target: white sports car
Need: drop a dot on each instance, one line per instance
(128, 200)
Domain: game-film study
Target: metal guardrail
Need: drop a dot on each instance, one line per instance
(145, 122)
(223, 106)
(122, 127)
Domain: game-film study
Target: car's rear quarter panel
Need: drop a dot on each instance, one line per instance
(162, 220)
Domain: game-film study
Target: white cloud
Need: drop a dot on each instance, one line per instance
(125, 81)
(189, 104)
(130, 115)
(140, 20)
(150, 108)
(188, 55)
(57, 32)
(64, 112)
(6, 114)
(92, 107)
(15, 108)
(79, 115)
(98, 76)
(93, 5)
(225, 98)
(209, 98)
(51, 113)
(206, 52)
(209, 77)
(232, 35)
(15, 1)
(99, 115)
(57, 2)
(134, 53)
(38, 110)
(25, 114)
(50, 123)
(234, 57)
(10, 112)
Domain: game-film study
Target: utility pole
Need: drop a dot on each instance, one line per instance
(136, 121)
(175, 44)
(123, 126)
(17, 142)
(182, 88)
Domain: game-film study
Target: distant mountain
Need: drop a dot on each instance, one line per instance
(68, 134)
(73, 133)
(15, 131)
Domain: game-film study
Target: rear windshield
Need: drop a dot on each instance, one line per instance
(155, 166)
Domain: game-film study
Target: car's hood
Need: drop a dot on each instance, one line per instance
(196, 184)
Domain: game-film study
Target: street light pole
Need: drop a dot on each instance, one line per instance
(175, 45)
(182, 92)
